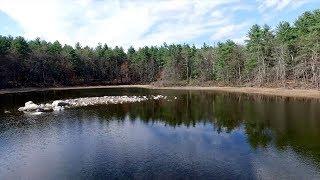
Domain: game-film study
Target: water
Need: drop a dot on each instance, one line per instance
(199, 135)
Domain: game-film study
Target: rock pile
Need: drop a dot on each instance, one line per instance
(59, 105)
(87, 101)
(54, 106)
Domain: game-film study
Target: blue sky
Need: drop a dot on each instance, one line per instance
(144, 22)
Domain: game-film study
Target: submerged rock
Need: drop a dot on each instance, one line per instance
(35, 113)
(7, 112)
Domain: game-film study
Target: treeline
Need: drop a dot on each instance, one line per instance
(286, 56)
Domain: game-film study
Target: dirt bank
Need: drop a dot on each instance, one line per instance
(300, 93)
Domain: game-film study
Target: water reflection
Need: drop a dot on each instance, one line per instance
(281, 122)
(280, 132)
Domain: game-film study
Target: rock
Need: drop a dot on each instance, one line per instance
(60, 105)
(29, 106)
(40, 109)
(45, 107)
(63, 104)
(58, 108)
(158, 97)
(34, 113)
(56, 103)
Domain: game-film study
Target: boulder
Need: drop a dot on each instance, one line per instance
(59, 103)
(29, 106)
(58, 108)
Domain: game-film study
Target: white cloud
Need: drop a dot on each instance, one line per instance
(229, 31)
(115, 22)
(277, 4)
(271, 9)
(280, 4)
(138, 23)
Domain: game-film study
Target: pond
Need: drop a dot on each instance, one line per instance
(188, 135)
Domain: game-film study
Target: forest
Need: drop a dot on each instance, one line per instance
(284, 56)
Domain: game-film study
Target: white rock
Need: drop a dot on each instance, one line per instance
(58, 108)
(158, 97)
(29, 106)
(59, 105)
(35, 113)
(56, 102)
(48, 105)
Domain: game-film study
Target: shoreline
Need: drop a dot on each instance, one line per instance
(295, 93)
(25, 90)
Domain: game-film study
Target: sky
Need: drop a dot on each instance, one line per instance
(144, 22)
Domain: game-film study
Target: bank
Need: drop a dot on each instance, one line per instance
(296, 93)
